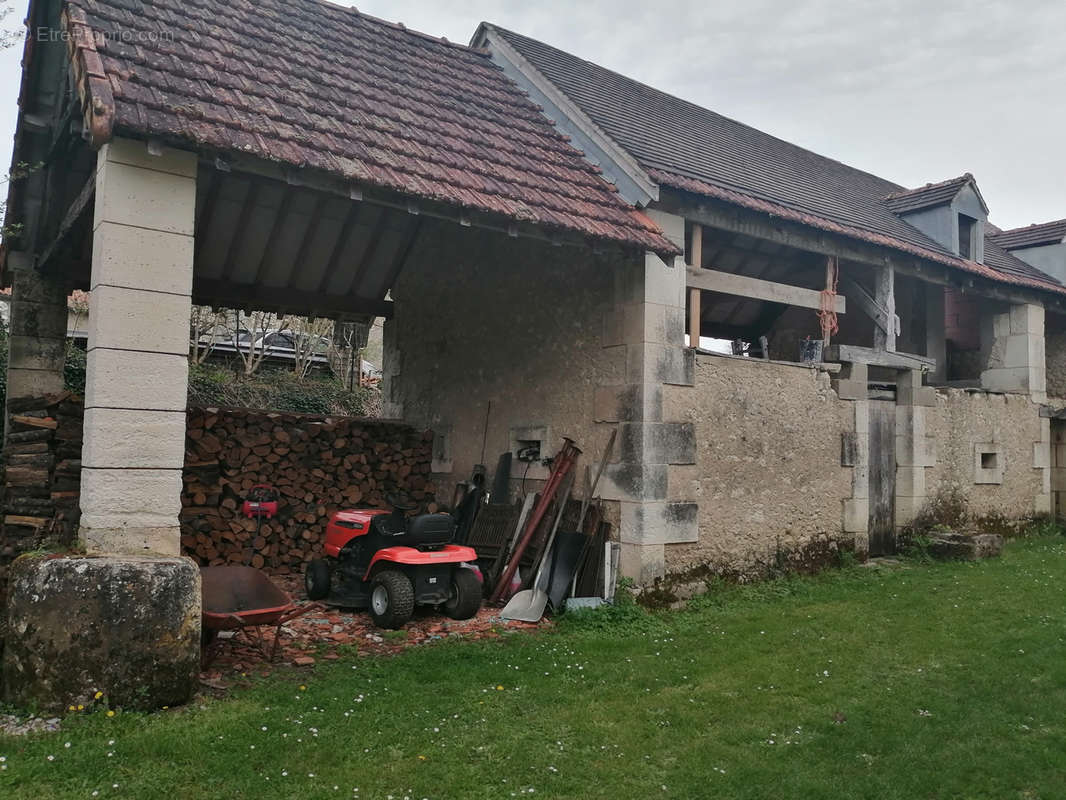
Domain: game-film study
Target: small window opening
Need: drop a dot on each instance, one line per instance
(989, 460)
(967, 225)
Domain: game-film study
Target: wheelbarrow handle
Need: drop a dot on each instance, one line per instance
(299, 611)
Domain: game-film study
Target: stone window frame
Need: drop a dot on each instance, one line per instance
(984, 473)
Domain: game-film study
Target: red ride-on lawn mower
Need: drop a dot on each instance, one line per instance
(390, 563)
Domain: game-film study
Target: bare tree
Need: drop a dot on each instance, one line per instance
(309, 339)
(253, 328)
(207, 328)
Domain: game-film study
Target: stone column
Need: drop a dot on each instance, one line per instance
(137, 370)
(38, 335)
(915, 451)
(648, 325)
(1016, 361)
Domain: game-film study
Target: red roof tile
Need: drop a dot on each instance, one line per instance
(310, 84)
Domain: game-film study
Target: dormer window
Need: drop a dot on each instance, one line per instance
(967, 227)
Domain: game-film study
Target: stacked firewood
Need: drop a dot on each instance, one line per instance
(317, 465)
(42, 468)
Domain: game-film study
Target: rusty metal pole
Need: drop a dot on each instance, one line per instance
(564, 462)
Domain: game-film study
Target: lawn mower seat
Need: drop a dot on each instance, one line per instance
(430, 530)
(425, 530)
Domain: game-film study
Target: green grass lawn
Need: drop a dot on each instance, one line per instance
(923, 681)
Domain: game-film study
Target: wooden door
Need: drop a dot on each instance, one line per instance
(882, 477)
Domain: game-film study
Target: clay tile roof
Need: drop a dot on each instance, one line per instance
(1032, 235)
(310, 84)
(932, 194)
(685, 146)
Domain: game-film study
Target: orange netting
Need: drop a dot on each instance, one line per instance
(827, 314)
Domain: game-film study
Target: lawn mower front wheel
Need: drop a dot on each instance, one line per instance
(317, 579)
(392, 599)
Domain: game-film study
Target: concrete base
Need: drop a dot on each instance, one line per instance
(127, 626)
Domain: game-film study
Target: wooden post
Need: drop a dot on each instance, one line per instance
(695, 260)
(829, 287)
(885, 299)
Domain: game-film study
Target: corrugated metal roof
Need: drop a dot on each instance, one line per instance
(310, 84)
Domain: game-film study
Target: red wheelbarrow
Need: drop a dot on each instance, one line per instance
(242, 599)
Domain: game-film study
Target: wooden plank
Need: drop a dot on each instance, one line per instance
(878, 358)
(35, 422)
(881, 523)
(28, 522)
(756, 288)
(695, 260)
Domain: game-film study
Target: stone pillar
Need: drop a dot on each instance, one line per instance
(38, 335)
(915, 451)
(1042, 460)
(1016, 361)
(137, 370)
(647, 324)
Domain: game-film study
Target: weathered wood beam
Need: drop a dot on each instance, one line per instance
(695, 261)
(866, 302)
(723, 216)
(81, 205)
(885, 302)
(728, 283)
(402, 254)
(227, 294)
(251, 197)
(878, 358)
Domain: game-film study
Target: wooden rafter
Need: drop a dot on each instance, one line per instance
(80, 206)
(276, 229)
(351, 218)
(251, 196)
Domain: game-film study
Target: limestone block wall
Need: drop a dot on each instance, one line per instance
(505, 347)
(768, 447)
(1014, 477)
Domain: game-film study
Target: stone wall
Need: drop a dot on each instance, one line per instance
(504, 349)
(768, 465)
(1013, 480)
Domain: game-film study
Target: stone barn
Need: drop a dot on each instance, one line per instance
(557, 251)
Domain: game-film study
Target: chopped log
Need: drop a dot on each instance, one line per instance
(34, 422)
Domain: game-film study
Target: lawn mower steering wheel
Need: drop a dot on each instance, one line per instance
(400, 501)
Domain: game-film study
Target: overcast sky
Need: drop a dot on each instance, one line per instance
(913, 90)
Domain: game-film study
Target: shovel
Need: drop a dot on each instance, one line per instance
(529, 604)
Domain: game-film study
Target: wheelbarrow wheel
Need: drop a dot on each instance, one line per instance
(316, 579)
(464, 598)
(392, 599)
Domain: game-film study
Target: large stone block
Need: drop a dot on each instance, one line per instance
(134, 153)
(1027, 318)
(123, 625)
(124, 379)
(131, 319)
(23, 382)
(118, 438)
(139, 258)
(145, 198)
(29, 352)
(130, 498)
